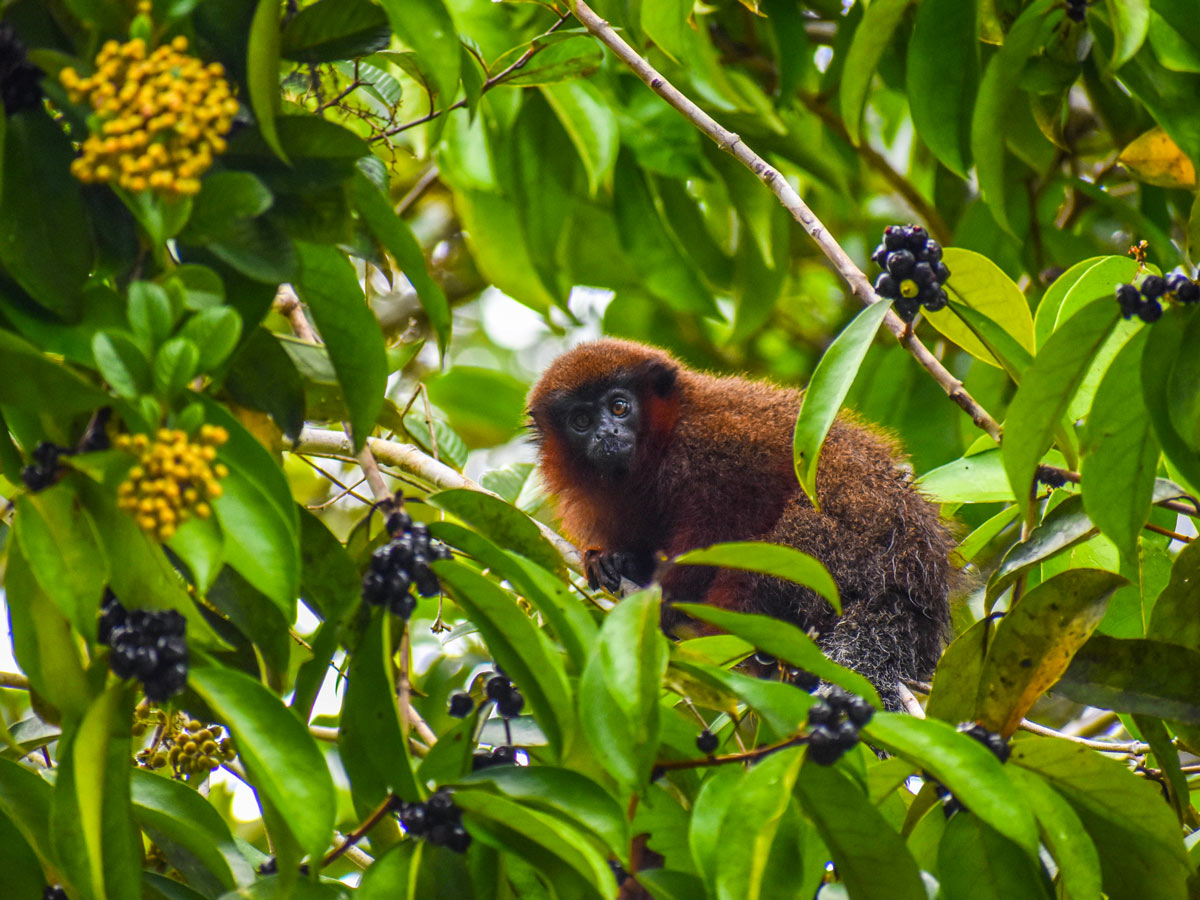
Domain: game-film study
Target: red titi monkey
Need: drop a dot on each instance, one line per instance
(649, 458)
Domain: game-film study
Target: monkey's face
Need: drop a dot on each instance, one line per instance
(603, 429)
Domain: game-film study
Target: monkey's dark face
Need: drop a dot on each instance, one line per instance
(602, 428)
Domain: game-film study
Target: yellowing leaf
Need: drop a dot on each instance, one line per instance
(1156, 159)
(983, 286)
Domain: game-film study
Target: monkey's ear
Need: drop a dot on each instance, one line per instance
(660, 376)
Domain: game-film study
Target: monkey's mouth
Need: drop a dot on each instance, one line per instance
(610, 455)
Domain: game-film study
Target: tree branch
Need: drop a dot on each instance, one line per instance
(411, 459)
(14, 680)
(733, 145)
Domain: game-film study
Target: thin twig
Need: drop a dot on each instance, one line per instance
(287, 303)
(410, 458)
(428, 177)
(383, 809)
(1173, 535)
(748, 756)
(1130, 747)
(731, 143)
(14, 680)
(490, 83)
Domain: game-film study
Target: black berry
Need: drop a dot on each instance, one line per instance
(994, 742)
(458, 840)
(43, 469)
(20, 80)
(149, 645)
(1151, 311)
(846, 734)
(706, 741)
(823, 746)
(859, 710)
(914, 274)
(821, 713)
(1077, 10)
(1153, 286)
(510, 705)
(886, 286)
(401, 564)
(1129, 299)
(900, 263)
(414, 818)
(461, 705)
(498, 686)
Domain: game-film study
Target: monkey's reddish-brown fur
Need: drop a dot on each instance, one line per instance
(714, 463)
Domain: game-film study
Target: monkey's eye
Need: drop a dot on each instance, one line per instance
(581, 421)
(619, 407)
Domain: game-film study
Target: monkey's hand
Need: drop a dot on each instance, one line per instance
(606, 570)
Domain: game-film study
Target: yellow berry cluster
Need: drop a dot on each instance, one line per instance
(174, 480)
(191, 747)
(160, 117)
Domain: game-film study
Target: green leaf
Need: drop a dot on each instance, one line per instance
(1098, 282)
(426, 27)
(749, 825)
(279, 754)
(1120, 451)
(150, 313)
(33, 383)
(258, 249)
(1045, 391)
(174, 366)
(23, 874)
(215, 332)
(1164, 347)
(45, 648)
(330, 288)
(665, 23)
(997, 94)
(944, 38)
(397, 238)
(1033, 644)
(1130, 20)
(978, 478)
(975, 861)
(562, 56)
(121, 363)
(517, 645)
(373, 733)
(963, 765)
(1047, 309)
(570, 795)
(191, 832)
(547, 842)
(983, 286)
(330, 582)
(956, 679)
(260, 544)
(335, 29)
(769, 559)
(46, 243)
(783, 707)
(827, 391)
(1176, 615)
(871, 38)
(1136, 834)
(860, 840)
(591, 124)
(457, 394)
(226, 198)
(25, 799)
(501, 523)
(60, 542)
(1063, 834)
(262, 72)
(784, 641)
(619, 689)
(91, 820)
(393, 876)
(1136, 675)
(1183, 386)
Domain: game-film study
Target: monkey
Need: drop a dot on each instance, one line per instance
(649, 459)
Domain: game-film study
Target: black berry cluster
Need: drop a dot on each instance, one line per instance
(508, 699)
(271, 867)
(44, 468)
(437, 820)
(1145, 301)
(706, 742)
(914, 274)
(54, 892)
(20, 80)
(402, 563)
(1077, 10)
(150, 645)
(497, 756)
(834, 724)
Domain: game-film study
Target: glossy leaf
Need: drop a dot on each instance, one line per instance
(590, 123)
(1046, 389)
(215, 333)
(982, 285)
(871, 38)
(335, 29)
(768, 559)
(827, 391)
(975, 861)
(1063, 834)
(426, 26)
(944, 39)
(963, 765)
(783, 641)
(979, 478)
(518, 646)
(330, 288)
(505, 525)
(176, 362)
(1130, 20)
(1033, 644)
(619, 689)
(25, 800)
(1163, 347)
(1136, 675)
(262, 75)
(280, 756)
(1176, 615)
